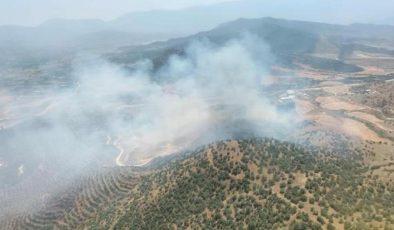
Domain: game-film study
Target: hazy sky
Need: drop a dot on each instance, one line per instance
(33, 12)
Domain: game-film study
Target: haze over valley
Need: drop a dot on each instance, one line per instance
(251, 118)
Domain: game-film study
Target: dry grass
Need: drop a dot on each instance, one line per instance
(303, 107)
(345, 126)
(372, 119)
(337, 89)
(333, 103)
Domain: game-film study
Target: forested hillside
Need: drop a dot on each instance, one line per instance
(253, 184)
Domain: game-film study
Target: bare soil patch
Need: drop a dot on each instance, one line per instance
(372, 119)
(332, 103)
(346, 126)
(303, 106)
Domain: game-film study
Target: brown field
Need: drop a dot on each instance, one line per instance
(372, 63)
(372, 119)
(355, 128)
(303, 107)
(337, 89)
(333, 103)
(346, 126)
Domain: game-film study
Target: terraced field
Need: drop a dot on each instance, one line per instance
(82, 201)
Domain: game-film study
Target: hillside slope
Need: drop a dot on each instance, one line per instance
(254, 184)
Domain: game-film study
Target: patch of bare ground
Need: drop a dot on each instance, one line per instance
(339, 89)
(372, 119)
(346, 126)
(372, 63)
(333, 103)
(303, 107)
(355, 128)
(307, 72)
(380, 157)
(300, 179)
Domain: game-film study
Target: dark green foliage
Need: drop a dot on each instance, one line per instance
(328, 64)
(236, 201)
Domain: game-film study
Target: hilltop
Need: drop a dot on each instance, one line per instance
(254, 184)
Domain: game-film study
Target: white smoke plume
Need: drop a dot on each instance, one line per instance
(116, 117)
(206, 91)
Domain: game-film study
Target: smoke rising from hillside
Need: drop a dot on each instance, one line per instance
(207, 87)
(206, 92)
(210, 93)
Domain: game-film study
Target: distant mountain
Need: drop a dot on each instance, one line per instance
(321, 46)
(387, 21)
(138, 27)
(66, 34)
(174, 23)
(318, 45)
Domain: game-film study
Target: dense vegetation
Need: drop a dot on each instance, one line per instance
(328, 64)
(245, 184)
(261, 184)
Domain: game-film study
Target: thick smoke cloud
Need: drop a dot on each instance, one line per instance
(114, 117)
(207, 94)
